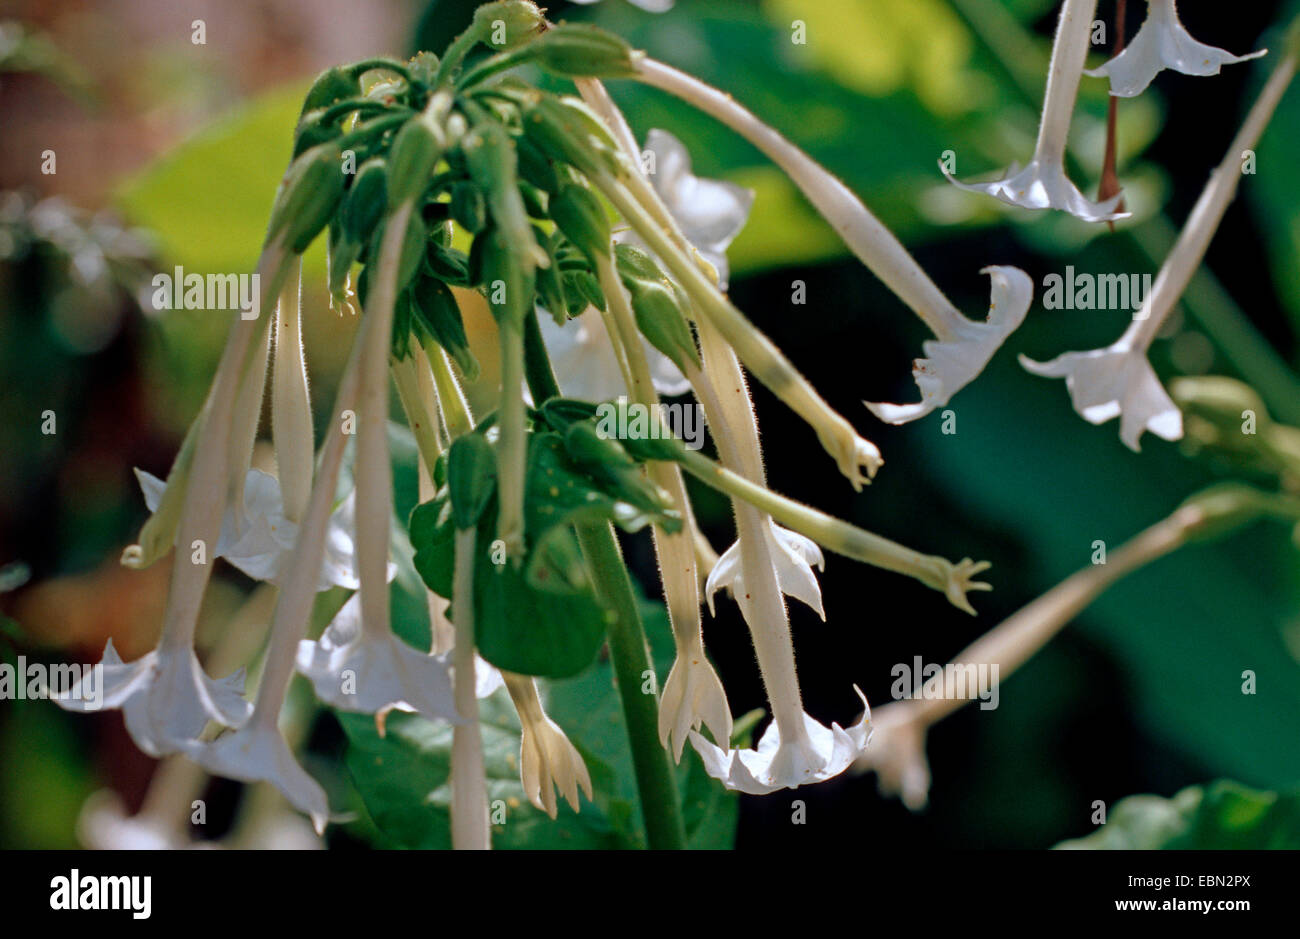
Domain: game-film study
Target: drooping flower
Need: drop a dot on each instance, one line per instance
(547, 760)
(964, 347)
(814, 754)
(165, 696)
(793, 556)
(954, 360)
(261, 545)
(1163, 42)
(369, 671)
(1042, 183)
(1119, 380)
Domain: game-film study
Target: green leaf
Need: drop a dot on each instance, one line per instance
(1224, 815)
(403, 779)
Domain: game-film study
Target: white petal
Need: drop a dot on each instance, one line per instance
(260, 754)
(582, 356)
(692, 695)
(548, 761)
(1044, 186)
(1115, 381)
(793, 557)
(709, 212)
(951, 365)
(1163, 42)
(152, 487)
(775, 765)
(357, 672)
(166, 698)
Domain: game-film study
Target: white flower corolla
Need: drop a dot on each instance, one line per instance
(815, 755)
(1163, 42)
(368, 671)
(586, 366)
(966, 347)
(692, 695)
(792, 555)
(1119, 380)
(709, 212)
(1042, 183)
(1116, 382)
(261, 545)
(956, 358)
(547, 759)
(165, 697)
(258, 752)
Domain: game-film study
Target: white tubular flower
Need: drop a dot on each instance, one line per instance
(165, 696)
(367, 672)
(1116, 382)
(897, 755)
(1042, 184)
(291, 405)
(953, 361)
(1119, 380)
(547, 760)
(261, 544)
(586, 367)
(815, 754)
(964, 347)
(793, 556)
(1163, 43)
(709, 212)
(258, 752)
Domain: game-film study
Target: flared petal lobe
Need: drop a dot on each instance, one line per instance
(950, 365)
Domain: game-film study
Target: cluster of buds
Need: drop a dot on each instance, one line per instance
(440, 175)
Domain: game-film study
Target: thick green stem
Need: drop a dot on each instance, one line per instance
(537, 365)
(660, 805)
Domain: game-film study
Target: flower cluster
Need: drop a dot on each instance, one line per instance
(444, 175)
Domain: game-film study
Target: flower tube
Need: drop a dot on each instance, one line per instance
(1118, 381)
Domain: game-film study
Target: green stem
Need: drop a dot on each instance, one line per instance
(537, 365)
(660, 805)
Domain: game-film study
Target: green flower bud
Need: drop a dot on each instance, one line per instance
(311, 132)
(308, 196)
(608, 462)
(581, 50)
(333, 84)
(536, 203)
(535, 168)
(340, 257)
(564, 130)
(508, 24)
(655, 306)
(414, 154)
(414, 244)
(1226, 507)
(471, 478)
(490, 157)
(364, 204)
(468, 207)
(581, 289)
(550, 285)
(508, 280)
(579, 214)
